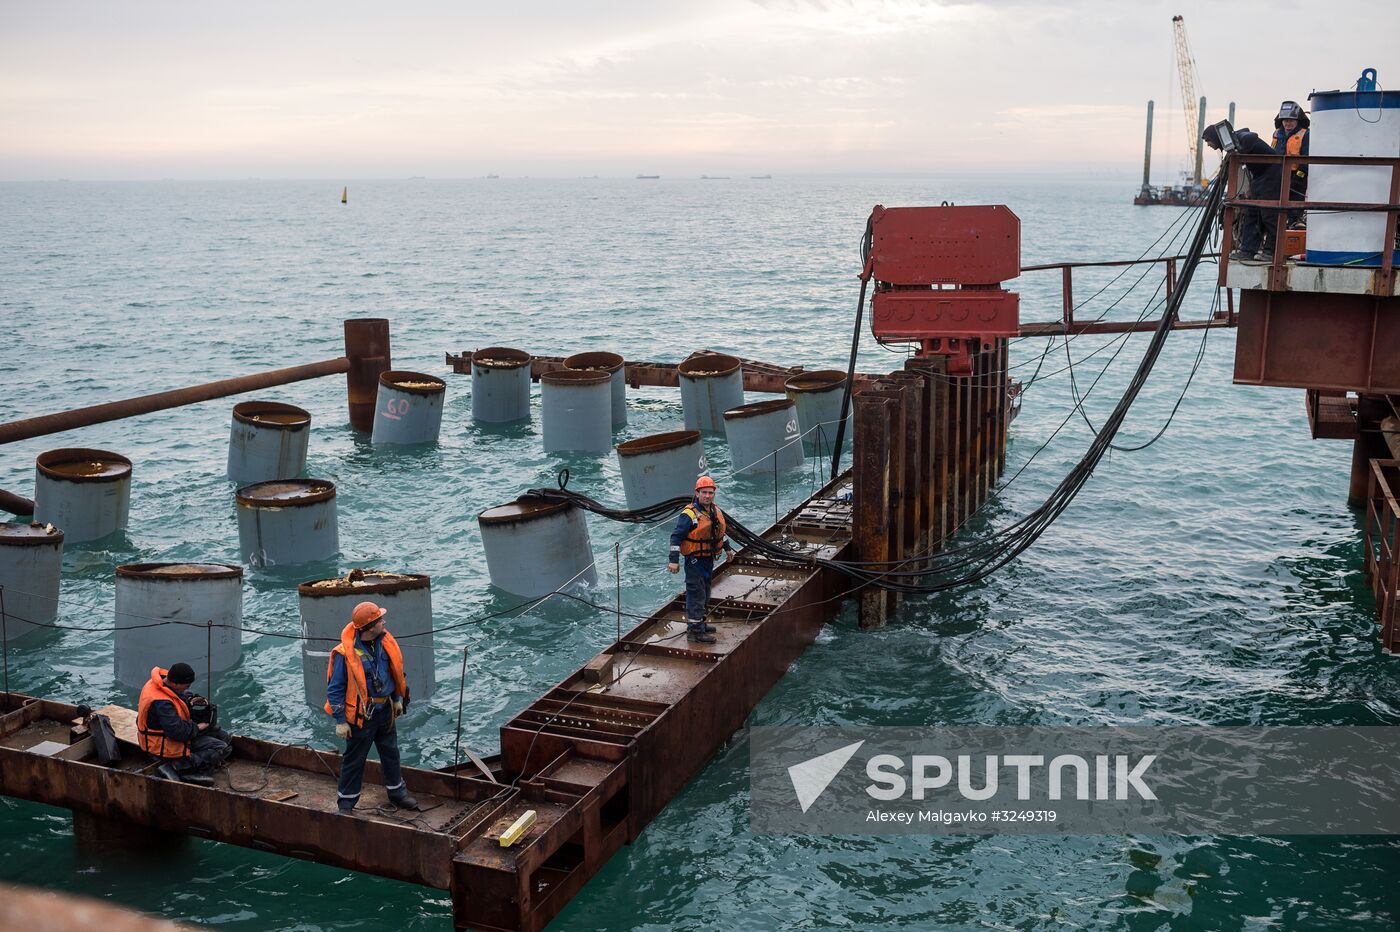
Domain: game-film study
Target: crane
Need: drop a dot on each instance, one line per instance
(1186, 72)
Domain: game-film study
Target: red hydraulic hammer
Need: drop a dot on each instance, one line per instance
(938, 274)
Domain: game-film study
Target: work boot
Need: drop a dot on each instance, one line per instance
(405, 802)
(1265, 255)
(166, 772)
(1242, 254)
(198, 779)
(695, 633)
(708, 628)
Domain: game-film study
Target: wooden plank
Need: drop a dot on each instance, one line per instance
(123, 723)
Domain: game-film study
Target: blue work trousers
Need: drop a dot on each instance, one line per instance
(380, 732)
(698, 571)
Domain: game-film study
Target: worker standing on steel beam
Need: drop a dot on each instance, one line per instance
(699, 537)
(1291, 138)
(188, 749)
(366, 692)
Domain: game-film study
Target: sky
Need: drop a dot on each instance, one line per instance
(149, 90)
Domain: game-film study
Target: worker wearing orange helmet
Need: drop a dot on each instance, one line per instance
(698, 538)
(366, 692)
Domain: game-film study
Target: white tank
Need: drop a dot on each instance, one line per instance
(660, 466)
(268, 440)
(409, 408)
(287, 521)
(818, 398)
(576, 411)
(326, 605)
(614, 365)
(500, 385)
(173, 612)
(711, 384)
(763, 437)
(1351, 123)
(31, 565)
(86, 493)
(534, 547)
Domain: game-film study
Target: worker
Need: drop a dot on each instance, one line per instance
(1291, 138)
(699, 537)
(188, 750)
(366, 692)
(1256, 229)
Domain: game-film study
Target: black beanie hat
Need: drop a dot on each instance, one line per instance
(180, 673)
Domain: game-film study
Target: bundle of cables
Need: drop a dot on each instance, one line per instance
(958, 566)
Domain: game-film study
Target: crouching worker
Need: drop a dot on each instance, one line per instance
(366, 692)
(189, 750)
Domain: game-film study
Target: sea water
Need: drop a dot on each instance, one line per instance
(1211, 578)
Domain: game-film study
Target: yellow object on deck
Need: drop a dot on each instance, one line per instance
(517, 828)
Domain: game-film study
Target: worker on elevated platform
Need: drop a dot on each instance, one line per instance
(189, 750)
(1291, 138)
(1257, 227)
(699, 537)
(366, 692)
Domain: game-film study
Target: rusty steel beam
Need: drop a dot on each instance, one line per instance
(368, 354)
(15, 504)
(1324, 341)
(1057, 327)
(872, 488)
(46, 424)
(758, 376)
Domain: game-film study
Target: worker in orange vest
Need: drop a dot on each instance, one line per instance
(188, 750)
(1291, 138)
(699, 537)
(366, 692)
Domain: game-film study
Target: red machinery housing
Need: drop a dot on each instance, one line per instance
(938, 274)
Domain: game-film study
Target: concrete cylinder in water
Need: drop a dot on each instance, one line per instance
(409, 408)
(287, 521)
(817, 396)
(660, 466)
(202, 604)
(612, 364)
(576, 411)
(86, 493)
(761, 433)
(500, 385)
(31, 564)
(326, 605)
(534, 547)
(1350, 123)
(711, 384)
(268, 441)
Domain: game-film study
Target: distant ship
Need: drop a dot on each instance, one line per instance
(762, 177)
(647, 177)
(714, 177)
(493, 176)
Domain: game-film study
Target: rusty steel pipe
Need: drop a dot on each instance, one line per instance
(367, 355)
(46, 424)
(15, 504)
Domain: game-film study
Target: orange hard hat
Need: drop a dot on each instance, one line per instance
(366, 614)
(704, 482)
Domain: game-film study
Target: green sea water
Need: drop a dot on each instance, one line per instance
(1212, 578)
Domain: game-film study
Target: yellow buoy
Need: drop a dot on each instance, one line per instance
(345, 195)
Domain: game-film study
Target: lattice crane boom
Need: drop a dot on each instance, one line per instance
(1186, 72)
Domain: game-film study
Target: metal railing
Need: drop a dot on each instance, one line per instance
(1277, 278)
(1067, 323)
(1382, 546)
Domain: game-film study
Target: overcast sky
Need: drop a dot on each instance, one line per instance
(455, 89)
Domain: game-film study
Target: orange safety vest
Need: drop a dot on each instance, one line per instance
(706, 539)
(1295, 142)
(153, 740)
(356, 689)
